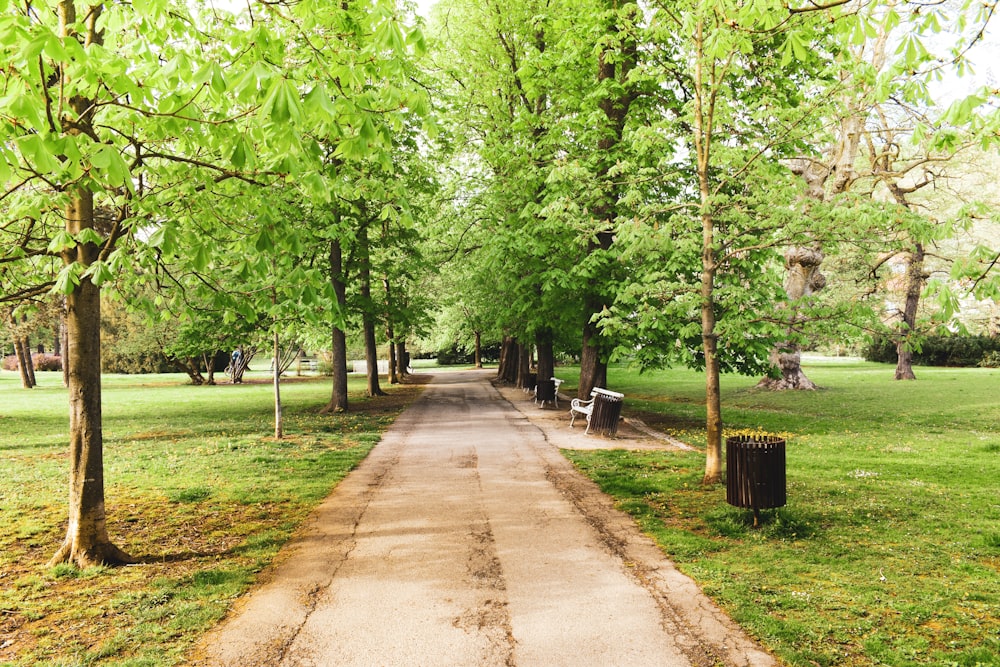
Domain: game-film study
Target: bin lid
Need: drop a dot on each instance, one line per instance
(606, 392)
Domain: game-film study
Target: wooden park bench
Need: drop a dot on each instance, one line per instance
(583, 408)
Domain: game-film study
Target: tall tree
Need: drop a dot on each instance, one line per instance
(617, 47)
(716, 200)
(87, 541)
(133, 124)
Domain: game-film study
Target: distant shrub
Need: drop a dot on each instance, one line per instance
(46, 362)
(454, 355)
(991, 360)
(966, 351)
(42, 362)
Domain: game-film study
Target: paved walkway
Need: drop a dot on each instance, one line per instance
(465, 538)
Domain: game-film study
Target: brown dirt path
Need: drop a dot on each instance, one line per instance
(465, 538)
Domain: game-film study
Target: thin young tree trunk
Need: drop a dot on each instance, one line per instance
(371, 347)
(338, 399)
(87, 542)
(390, 337)
(710, 345)
(704, 116)
(279, 423)
(478, 349)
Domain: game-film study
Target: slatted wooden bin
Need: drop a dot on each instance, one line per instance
(755, 473)
(607, 412)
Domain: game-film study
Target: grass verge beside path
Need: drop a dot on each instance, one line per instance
(888, 552)
(196, 490)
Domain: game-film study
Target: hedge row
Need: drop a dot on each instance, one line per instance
(941, 351)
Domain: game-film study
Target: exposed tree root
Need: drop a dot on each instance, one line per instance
(105, 553)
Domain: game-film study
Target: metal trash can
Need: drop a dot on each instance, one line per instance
(755, 473)
(545, 390)
(606, 412)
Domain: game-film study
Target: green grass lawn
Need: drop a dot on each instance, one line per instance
(888, 551)
(197, 491)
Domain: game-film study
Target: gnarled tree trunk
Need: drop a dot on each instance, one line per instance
(914, 286)
(509, 361)
(802, 279)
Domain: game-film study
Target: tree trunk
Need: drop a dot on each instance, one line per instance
(64, 351)
(371, 347)
(914, 286)
(710, 345)
(546, 359)
(23, 355)
(240, 361)
(478, 349)
(209, 360)
(279, 422)
(193, 370)
(802, 279)
(523, 366)
(401, 361)
(389, 335)
(393, 368)
(617, 58)
(87, 542)
(338, 399)
(507, 369)
(704, 118)
(29, 361)
(593, 369)
(371, 359)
